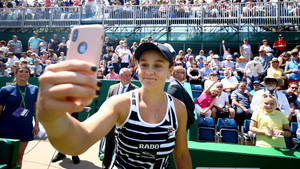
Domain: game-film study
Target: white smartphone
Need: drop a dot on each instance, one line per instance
(86, 43)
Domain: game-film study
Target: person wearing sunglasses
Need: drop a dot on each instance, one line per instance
(291, 96)
(270, 84)
(270, 125)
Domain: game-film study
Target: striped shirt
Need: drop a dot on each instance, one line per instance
(142, 145)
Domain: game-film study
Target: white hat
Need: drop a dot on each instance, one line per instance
(229, 57)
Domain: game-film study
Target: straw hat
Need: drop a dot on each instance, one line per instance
(271, 78)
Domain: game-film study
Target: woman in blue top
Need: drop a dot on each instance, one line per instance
(17, 110)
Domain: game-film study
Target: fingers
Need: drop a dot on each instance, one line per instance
(69, 77)
(63, 91)
(72, 65)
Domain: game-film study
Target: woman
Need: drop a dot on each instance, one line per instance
(240, 66)
(17, 110)
(245, 50)
(194, 74)
(206, 101)
(283, 59)
(138, 115)
(266, 47)
(275, 71)
(270, 125)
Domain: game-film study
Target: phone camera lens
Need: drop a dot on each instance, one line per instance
(82, 47)
(75, 35)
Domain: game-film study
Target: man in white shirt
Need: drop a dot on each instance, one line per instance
(270, 84)
(124, 54)
(253, 71)
(230, 83)
(222, 107)
(11, 58)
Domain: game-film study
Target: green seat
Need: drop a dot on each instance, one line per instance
(9, 153)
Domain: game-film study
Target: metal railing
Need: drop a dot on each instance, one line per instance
(237, 15)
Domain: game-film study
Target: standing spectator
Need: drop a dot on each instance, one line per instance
(125, 55)
(17, 111)
(241, 99)
(116, 43)
(279, 45)
(133, 47)
(245, 50)
(253, 71)
(62, 46)
(44, 44)
(53, 44)
(206, 101)
(222, 107)
(34, 42)
(291, 96)
(269, 124)
(226, 51)
(177, 90)
(270, 84)
(15, 46)
(264, 60)
(292, 68)
(106, 44)
(124, 86)
(149, 39)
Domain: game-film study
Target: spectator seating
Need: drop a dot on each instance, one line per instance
(228, 130)
(9, 153)
(196, 90)
(206, 128)
(248, 136)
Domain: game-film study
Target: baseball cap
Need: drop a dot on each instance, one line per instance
(256, 82)
(280, 35)
(163, 49)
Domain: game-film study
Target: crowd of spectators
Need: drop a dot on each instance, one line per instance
(229, 81)
(148, 8)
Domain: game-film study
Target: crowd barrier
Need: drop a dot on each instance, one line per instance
(164, 15)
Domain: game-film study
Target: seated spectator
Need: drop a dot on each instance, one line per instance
(253, 71)
(194, 74)
(112, 75)
(241, 99)
(215, 64)
(292, 68)
(256, 87)
(230, 83)
(190, 62)
(210, 56)
(283, 59)
(11, 58)
(222, 107)
(201, 54)
(189, 53)
(291, 96)
(268, 50)
(210, 79)
(228, 64)
(240, 66)
(200, 62)
(270, 84)
(275, 70)
(269, 124)
(25, 57)
(206, 100)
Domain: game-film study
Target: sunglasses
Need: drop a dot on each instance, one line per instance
(295, 88)
(220, 87)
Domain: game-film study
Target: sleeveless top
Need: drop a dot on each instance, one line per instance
(142, 145)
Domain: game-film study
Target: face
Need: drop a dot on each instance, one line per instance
(23, 74)
(125, 77)
(256, 86)
(180, 74)
(269, 104)
(242, 87)
(220, 87)
(275, 64)
(153, 69)
(293, 88)
(214, 93)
